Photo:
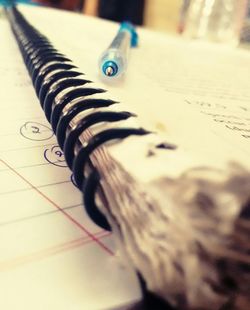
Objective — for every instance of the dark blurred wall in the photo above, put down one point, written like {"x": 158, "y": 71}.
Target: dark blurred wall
{"x": 122, "y": 10}
{"x": 73, "y": 5}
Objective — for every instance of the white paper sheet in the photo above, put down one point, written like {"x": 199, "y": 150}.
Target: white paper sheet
{"x": 185, "y": 92}
{"x": 174, "y": 86}
{"x": 51, "y": 254}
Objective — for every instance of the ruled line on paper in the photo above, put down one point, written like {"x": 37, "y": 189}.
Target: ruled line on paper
{"x": 51, "y": 252}
{"x": 32, "y": 165}
{"x": 28, "y": 188}
{"x": 27, "y": 166}
{"x": 11, "y": 134}
{"x": 26, "y": 148}
{"x": 23, "y": 108}
{"x": 26, "y": 218}
{"x": 26, "y": 134}
{"x": 45, "y": 253}
{"x": 67, "y": 215}
{"x": 15, "y": 121}
{"x": 43, "y": 175}
{"x": 8, "y": 149}
{"x": 24, "y": 118}
{"x": 40, "y": 156}
{"x": 11, "y": 182}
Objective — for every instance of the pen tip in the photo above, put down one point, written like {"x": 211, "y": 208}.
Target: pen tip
{"x": 109, "y": 71}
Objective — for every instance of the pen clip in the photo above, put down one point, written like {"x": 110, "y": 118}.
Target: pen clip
{"x": 127, "y": 26}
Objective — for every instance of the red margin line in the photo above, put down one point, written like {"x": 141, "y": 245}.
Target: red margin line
{"x": 91, "y": 236}
{"x": 44, "y": 253}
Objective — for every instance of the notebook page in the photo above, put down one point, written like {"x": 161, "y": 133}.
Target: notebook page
{"x": 194, "y": 95}
{"x": 51, "y": 255}
{"x": 197, "y": 144}
{"x": 155, "y": 203}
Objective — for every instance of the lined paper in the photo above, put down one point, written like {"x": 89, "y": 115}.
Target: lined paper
{"x": 173, "y": 94}
{"x": 52, "y": 256}
{"x": 175, "y": 87}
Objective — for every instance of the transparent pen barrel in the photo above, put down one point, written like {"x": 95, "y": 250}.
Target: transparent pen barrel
{"x": 118, "y": 51}
{"x": 121, "y": 42}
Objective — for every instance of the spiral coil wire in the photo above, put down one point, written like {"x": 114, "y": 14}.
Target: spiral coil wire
{"x": 58, "y": 84}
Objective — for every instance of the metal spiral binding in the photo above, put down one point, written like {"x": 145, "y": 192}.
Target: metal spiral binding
{"x": 90, "y": 188}
{"x": 80, "y": 106}
{"x": 58, "y": 83}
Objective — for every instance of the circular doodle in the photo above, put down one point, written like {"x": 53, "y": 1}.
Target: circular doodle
{"x": 36, "y": 131}
{"x": 54, "y": 156}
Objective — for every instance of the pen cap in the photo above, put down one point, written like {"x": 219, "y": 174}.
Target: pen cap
{"x": 127, "y": 26}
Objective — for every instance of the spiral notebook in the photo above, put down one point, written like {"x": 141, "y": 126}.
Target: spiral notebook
{"x": 136, "y": 149}
{"x": 44, "y": 228}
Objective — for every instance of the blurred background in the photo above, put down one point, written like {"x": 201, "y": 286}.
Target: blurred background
{"x": 158, "y": 14}
{"x": 225, "y": 21}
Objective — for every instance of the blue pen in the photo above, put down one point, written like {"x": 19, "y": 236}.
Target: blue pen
{"x": 113, "y": 61}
